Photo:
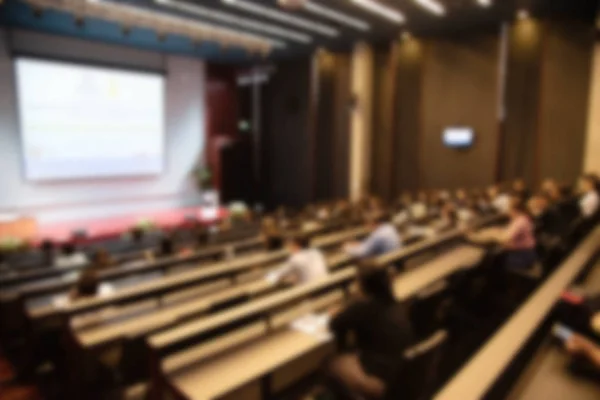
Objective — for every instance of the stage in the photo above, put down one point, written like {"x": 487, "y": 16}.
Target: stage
{"x": 97, "y": 229}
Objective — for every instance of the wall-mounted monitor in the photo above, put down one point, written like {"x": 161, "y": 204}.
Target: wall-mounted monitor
{"x": 458, "y": 137}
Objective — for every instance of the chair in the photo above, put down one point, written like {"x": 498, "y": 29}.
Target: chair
{"x": 429, "y": 308}
{"x": 419, "y": 376}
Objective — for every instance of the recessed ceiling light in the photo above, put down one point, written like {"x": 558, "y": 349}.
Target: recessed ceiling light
{"x": 332, "y": 14}
{"x": 523, "y": 14}
{"x": 381, "y": 10}
{"x": 432, "y": 6}
{"x": 235, "y": 20}
{"x": 280, "y": 16}
{"x": 484, "y": 3}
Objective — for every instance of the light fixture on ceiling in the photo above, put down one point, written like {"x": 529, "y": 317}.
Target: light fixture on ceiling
{"x": 432, "y": 6}
{"x": 484, "y": 3}
{"x": 381, "y": 10}
{"x": 235, "y": 20}
{"x": 131, "y": 16}
{"x": 268, "y": 12}
{"x": 523, "y": 14}
{"x": 334, "y": 15}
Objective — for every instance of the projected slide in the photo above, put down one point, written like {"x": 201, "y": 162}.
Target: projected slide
{"x": 82, "y": 121}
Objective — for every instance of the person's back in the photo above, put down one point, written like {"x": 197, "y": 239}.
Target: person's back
{"x": 305, "y": 264}
{"x": 309, "y": 264}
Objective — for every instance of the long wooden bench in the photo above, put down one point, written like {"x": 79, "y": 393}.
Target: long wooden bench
{"x": 485, "y": 370}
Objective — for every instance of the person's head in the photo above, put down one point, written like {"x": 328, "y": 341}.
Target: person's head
{"x": 588, "y": 183}
{"x": 47, "y": 246}
{"x": 549, "y": 185}
{"x": 493, "y": 191}
{"x": 67, "y": 249}
{"x": 166, "y": 245}
{"x": 448, "y": 212}
{"x": 518, "y": 185}
{"x": 375, "y": 283}
{"x": 422, "y": 196}
{"x": 101, "y": 259}
{"x": 297, "y": 243}
{"x": 137, "y": 234}
{"x": 516, "y": 207}
{"x": 537, "y": 204}
{"x": 461, "y": 194}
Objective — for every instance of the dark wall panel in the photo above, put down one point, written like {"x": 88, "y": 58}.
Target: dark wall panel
{"x": 564, "y": 103}
{"x": 407, "y": 115}
{"x": 382, "y": 130}
{"x": 331, "y": 133}
{"x": 286, "y": 143}
{"x": 460, "y": 88}
{"x": 522, "y": 88}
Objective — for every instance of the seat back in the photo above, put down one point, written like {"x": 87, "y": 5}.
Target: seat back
{"x": 428, "y": 308}
{"x": 419, "y": 376}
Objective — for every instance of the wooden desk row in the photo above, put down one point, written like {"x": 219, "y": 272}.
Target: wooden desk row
{"x": 181, "y": 281}
{"x": 226, "y": 365}
{"x": 485, "y": 368}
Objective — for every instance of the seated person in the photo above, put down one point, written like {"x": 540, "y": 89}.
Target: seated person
{"x": 305, "y": 264}
{"x": 272, "y": 234}
{"x": 500, "y": 201}
{"x": 88, "y": 282}
{"x": 448, "y": 218}
{"x": 519, "y": 189}
{"x": 547, "y": 220}
{"x": 589, "y": 201}
{"x": 418, "y": 209}
{"x": 69, "y": 257}
{"x": 383, "y": 239}
{"x": 460, "y": 198}
{"x": 47, "y": 250}
{"x": 517, "y": 239}
{"x": 166, "y": 248}
{"x": 382, "y": 333}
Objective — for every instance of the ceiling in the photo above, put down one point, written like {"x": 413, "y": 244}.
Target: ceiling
{"x": 459, "y": 15}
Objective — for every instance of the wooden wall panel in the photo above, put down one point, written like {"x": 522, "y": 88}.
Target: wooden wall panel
{"x": 459, "y": 88}
{"x": 382, "y": 144}
{"x": 565, "y": 83}
{"x": 408, "y": 115}
{"x": 522, "y": 86}
{"x": 286, "y": 143}
{"x": 330, "y": 138}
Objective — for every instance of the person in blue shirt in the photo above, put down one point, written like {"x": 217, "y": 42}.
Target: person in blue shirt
{"x": 383, "y": 239}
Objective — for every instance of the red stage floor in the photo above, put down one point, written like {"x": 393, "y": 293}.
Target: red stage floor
{"x": 110, "y": 227}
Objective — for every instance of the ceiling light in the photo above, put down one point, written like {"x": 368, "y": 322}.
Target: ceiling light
{"x": 330, "y": 13}
{"x": 523, "y": 14}
{"x": 432, "y": 6}
{"x": 280, "y": 16}
{"x": 235, "y": 20}
{"x": 484, "y": 3}
{"x": 163, "y": 24}
{"x": 381, "y": 9}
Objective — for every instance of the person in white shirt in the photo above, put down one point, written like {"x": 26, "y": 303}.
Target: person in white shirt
{"x": 500, "y": 201}
{"x": 305, "y": 264}
{"x": 70, "y": 257}
{"x": 589, "y": 202}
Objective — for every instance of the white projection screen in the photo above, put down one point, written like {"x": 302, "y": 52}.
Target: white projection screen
{"x": 81, "y": 121}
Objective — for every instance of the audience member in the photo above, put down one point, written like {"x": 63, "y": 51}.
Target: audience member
{"x": 88, "y": 283}
{"x": 47, "y": 250}
{"x": 500, "y": 201}
{"x": 70, "y": 257}
{"x": 305, "y": 264}
{"x": 383, "y": 238}
{"x": 547, "y": 220}
{"x": 581, "y": 346}
{"x": 590, "y": 200}
{"x": 272, "y": 234}
{"x": 519, "y": 189}
{"x": 519, "y": 238}
{"x": 382, "y": 332}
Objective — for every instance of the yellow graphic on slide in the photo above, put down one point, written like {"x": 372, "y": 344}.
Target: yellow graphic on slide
{"x": 113, "y": 88}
